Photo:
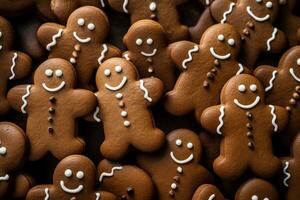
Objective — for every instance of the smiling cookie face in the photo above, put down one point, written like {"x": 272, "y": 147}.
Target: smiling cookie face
{"x": 75, "y": 174}
{"x": 115, "y": 74}
{"x": 243, "y": 91}
{"x": 223, "y": 42}
{"x": 88, "y": 24}
{"x": 55, "y": 75}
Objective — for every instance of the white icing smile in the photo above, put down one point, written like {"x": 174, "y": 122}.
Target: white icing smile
{"x": 247, "y": 106}
{"x": 149, "y": 54}
{"x": 259, "y": 19}
{"x": 56, "y": 89}
{"x": 81, "y": 40}
{"x": 118, "y": 87}
{"x": 218, "y": 56}
{"x": 71, "y": 191}
{"x": 295, "y": 77}
{"x": 189, "y": 159}
{"x": 4, "y": 178}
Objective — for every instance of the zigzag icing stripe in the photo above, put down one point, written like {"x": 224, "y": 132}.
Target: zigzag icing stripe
{"x": 12, "y": 68}
{"x": 270, "y": 86}
{"x": 105, "y": 174}
{"x": 102, "y": 3}
{"x": 286, "y": 173}
{"x": 104, "y": 51}
{"x": 190, "y": 57}
{"x": 231, "y": 6}
{"x": 46, "y": 194}
{"x": 125, "y": 6}
{"x": 222, "y": 109}
{"x": 98, "y": 196}
{"x": 241, "y": 69}
{"x": 146, "y": 93}
{"x": 54, "y": 39}
{"x": 271, "y": 39}
{"x": 212, "y": 197}
{"x": 274, "y": 117}
{"x": 24, "y": 99}
{"x": 95, "y": 115}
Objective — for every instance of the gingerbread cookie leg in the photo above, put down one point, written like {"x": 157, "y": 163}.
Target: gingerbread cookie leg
{"x": 73, "y": 146}
{"x": 266, "y": 166}
{"x": 22, "y": 185}
{"x": 114, "y": 153}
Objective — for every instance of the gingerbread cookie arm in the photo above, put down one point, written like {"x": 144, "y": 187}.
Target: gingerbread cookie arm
{"x": 279, "y": 118}
{"x": 212, "y": 119}
{"x": 63, "y": 9}
{"x": 20, "y": 65}
{"x": 18, "y": 97}
{"x": 276, "y": 42}
{"x": 85, "y": 102}
{"x": 267, "y": 75}
{"x": 120, "y": 5}
{"x": 152, "y": 89}
{"x": 23, "y": 183}
{"x": 220, "y": 9}
{"x": 49, "y": 34}
{"x": 182, "y": 53}
{"x": 41, "y": 192}
{"x": 108, "y": 51}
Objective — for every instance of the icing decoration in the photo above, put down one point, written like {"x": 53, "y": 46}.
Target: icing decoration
{"x": 242, "y": 88}
{"x": 253, "y": 88}
{"x": 118, "y": 69}
{"x": 85, "y": 40}
{"x": 286, "y": 173}
{"x": 179, "y": 170}
{"x": 80, "y": 175}
{"x": 102, "y": 56}
{"x": 125, "y": 3}
{"x": 178, "y": 142}
{"x": 269, "y": 4}
{"x": 46, "y": 194}
{"x": 126, "y": 56}
{"x": 149, "y": 41}
{"x": 105, "y": 174}
{"x": 13, "y": 66}
{"x": 4, "y": 178}
{"x": 189, "y": 159}
{"x": 248, "y": 106}
{"x": 241, "y": 69}
{"x": 49, "y": 72}
{"x": 190, "y": 57}
{"x": 146, "y": 93}
{"x": 98, "y": 196}
{"x": 24, "y": 99}
{"x": 149, "y": 54}
{"x": 229, "y": 11}
{"x": 68, "y": 173}
{"x": 59, "y": 73}
{"x": 3, "y": 151}
{"x": 271, "y": 39}
{"x": 217, "y": 56}
{"x": 207, "y": 2}
{"x": 118, "y": 87}
{"x": 54, "y": 39}
{"x": 258, "y": 19}
{"x": 80, "y": 22}
{"x": 56, "y": 89}
{"x": 95, "y": 115}
{"x": 102, "y": 3}
{"x": 190, "y": 145}
{"x": 231, "y": 42}
{"x": 71, "y": 191}
{"x": 139, "y": 42}
{"x": 152, "y": 6}
{"x": 126, "y": 123}
{"x": 222, "y": 109}
{"x": 295, "y": 77}
{"x": 91, "y": 26}
{"x": 270, "y": 86}
{"x": 274, "y": 117}
{"x": 212, "y": 197}
{"x": 221, "y": 37}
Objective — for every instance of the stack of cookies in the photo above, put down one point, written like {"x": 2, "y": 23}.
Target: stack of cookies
{"x": 149, "y": 99}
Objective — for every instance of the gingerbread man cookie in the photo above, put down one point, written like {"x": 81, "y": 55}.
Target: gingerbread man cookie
{"x": 127, "y": 181}
{"x": 290, "y": 170}
{"x": 52, "y": 105}
{"x": 124, "y": 100}
{"x": 254, "y": 20}
{"x": 206, "y": 68}
{"x": 162, "y": 11}
{"x": 13, "y": 150}
{"x": 74, "y": 178}
{"x": 13, "y": 64}
{"x": 80, "y": 42}
{"x": 282, "y": 85}
{"x": 148, "y": 49}
{"x": 175, "y": 170}
{"x": 208, "y": 192}
{"x": 246, "y": 125}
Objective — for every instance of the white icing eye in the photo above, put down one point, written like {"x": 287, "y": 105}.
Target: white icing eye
{"x": 266, "y": 198}
{"x": 3, "y": 151}
{"x": 242, "y": 88}
{"x": 91, "y": 26}
{"x": 118, "y": 69}
{"x": 80, "y": 174}
{"x": 49, "y": 72}
{"x": 59, "y": 73}
{"x": 68, "y": 173}
{"x": 221, "y": 37}
{"x": 231, "y": 42}
{"x": 258, "y": 1}
{"x": 80, "y": 22}
{"x": 152, "y": 6}
{"x": 178, "y": 142}
{"x": 139, "y": 42}
{"x": 107, "y": 72}
{"x": 189, "y": 145}
{"x": 149, "y": 41}
{"x": 269, "y": 4}
{"x": 254, "y": 197}
{"x": 253, "y": 88}
{"x": 298, "y": 61}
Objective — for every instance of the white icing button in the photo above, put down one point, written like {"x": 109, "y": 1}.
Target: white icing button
{"x": 254, "y": 197}
{"x": 242, "y": 88}
{"x": 190, "y": 145}
{"x": 126, "y": 123}
{"x": 2, "y": 151}
{"x": 266, "y": 198}
{"x": 72, "y": 60}
{"x": 49, "y": 72}
{"x": 107, "y": 72}
{"x": 298, "y": 61}
{"x": 179, "y": 170}
{"x": 118, "y": 69}
{"x": 80, "y": 174}
{"x": 91, "y": 26}
{"x": 139, "y": 42}
{"x": 173, "y": 186}
{"x": 258, "y": 1}
{"x": 80, "y": 22}
{"x": 68, "y": 173}
{"x": 149, "y": 41}
{"x": 253, "y": 87}
{"x": 119, "y": 95}
{"x": 178, "y": 142}
{"x": 152, "y": 6}
{"x": 231, "y": 42}
{"x": 0, "y": 34}
{"x": 150, "y": 69}
{"x": 221, "y": 37}
{"x": 269, "y": 4}
{"x": 124, "y": 114}
{"x": 58, "y": 73}
{"x": 1, "y": 47}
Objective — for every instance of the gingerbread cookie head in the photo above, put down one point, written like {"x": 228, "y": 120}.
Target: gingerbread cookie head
{"x": 55, "y": 75}
{"x": 88, "y": 24}
{"x": 222, "y": 41}
{"x": 145, "y": 37}
{"x": 115, "y": 74}
{"x": 243, "y": 91}
{"x": 257, "y": 189}
{"x": 6, "y": 35}
{"x": 75, "y": 174}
